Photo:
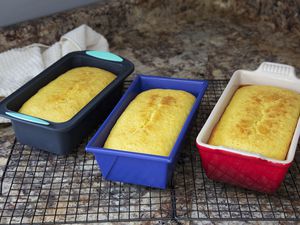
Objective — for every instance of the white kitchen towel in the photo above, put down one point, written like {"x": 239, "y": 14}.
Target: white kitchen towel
{"x": 18, "y": 66}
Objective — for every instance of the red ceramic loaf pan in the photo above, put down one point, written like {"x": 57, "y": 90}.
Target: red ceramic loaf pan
{"x": 248, "y": 170}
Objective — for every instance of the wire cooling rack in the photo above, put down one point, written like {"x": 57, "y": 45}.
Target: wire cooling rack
{"x": 42, "y": 188}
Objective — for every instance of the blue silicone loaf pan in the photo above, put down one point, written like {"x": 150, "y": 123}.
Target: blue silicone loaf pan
{"x": 62, "y": 138}
{"x": 137, "y": 168}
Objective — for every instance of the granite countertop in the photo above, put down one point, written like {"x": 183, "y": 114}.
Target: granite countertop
{"x": 188, "y": 39}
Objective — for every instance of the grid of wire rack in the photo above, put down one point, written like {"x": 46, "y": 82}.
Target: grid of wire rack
{"x": 42, "y": 188}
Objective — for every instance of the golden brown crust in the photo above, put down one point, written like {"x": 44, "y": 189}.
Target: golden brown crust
{"x": 65, "y": 96}
{"x": 152, "y": 122}
{"x": 259, "y": 119}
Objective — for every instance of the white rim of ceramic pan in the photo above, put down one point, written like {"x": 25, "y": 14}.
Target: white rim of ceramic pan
{"x": 268, "y": 73}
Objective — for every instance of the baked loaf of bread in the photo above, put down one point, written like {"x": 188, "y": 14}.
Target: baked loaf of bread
{"x": 259, "y": 119}
{"x": 152, "y": 122}
{"x": 65, "y": 96}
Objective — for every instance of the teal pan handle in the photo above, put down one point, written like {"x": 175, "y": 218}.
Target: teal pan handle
{"x": 105, "y": 55}
{"x": 27, "y": 118}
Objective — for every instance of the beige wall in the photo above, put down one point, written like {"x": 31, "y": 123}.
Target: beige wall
{"x": 14, "y": 11}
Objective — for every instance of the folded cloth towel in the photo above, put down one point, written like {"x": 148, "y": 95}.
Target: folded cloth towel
{"x": 18, "y": 66}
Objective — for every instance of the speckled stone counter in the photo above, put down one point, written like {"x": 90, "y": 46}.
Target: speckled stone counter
{"x": 188, "y": 39}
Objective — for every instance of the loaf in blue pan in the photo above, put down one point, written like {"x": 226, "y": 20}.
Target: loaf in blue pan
{"x": 140, "y": 168}
{"x": 61, "y": 137}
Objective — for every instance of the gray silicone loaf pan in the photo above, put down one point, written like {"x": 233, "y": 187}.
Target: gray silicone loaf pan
{"x": 62, "y": 138}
